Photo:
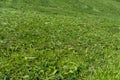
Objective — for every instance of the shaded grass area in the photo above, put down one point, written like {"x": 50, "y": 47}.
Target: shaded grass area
{"x": 39, "y": 46}
{"x": 66, "y": 7}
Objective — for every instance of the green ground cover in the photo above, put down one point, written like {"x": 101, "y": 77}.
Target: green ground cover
{"x": 59, "y": 40}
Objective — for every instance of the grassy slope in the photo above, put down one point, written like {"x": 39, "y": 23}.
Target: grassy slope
{"x": 59, "y": 39}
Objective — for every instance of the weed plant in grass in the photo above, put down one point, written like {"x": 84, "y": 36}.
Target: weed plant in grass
{"x": 59, "y": 40}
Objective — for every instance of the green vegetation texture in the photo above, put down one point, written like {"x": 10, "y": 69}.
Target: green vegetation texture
{"x": 59, "y": 40}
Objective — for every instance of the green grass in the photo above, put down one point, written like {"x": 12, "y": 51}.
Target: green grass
{"x": 59, "y": 40}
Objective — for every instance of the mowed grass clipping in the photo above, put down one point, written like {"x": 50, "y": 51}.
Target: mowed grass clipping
{"x": 53, "y": 45}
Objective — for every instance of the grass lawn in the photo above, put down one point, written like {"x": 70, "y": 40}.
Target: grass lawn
{"x": 59, "y": 40}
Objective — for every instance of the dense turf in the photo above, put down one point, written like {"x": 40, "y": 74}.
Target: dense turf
{"x": 59, "y": 40}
